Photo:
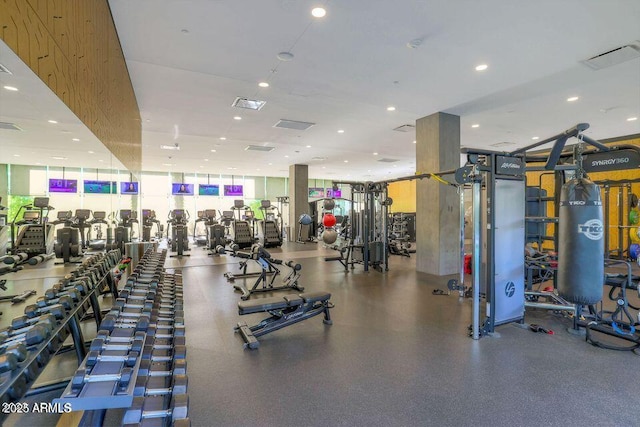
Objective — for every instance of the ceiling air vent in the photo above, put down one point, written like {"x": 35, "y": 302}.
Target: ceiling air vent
{"x": 502, "y": 144}
{"x": 9, "y": 126}
{"x": 293, "y": 124}
{"x": 614, "y": 57}
{"x": 259, "y": 148}
{"x": 319, "y": 159}
{"x": 405, "y": 128}
{"x": 386, "y": 160}
{"x": 4, "y": 69}
{"x": 250, "y": 104}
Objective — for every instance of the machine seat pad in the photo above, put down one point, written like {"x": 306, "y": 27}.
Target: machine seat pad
{"x": 311, "y": 297}
{"x": 266, "y": 304}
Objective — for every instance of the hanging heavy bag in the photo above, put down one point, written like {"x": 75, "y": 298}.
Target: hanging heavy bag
{"x": 581, "y": 243}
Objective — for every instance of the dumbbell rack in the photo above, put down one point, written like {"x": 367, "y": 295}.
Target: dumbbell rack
{"x": 49, "y": 322}
{"x": 138, "y": 359}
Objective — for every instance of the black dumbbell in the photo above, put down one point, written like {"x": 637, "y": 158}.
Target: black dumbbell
{"x": 179, "y": 384}
{"x": 178, "y": 352}
{"x": 19, "y": 350}
{"x": 59, "y": 290}
{"x": 133, "y": 344}
{"x": 179, "y": 367}
{"x": 58, "y": 310}
{"x": 8, "y": 362}
{"x": 73, "y": 294}
{"x": 81, "y": 377}
{"x": 178, "y": 410}
{"x": 109, "y": 323}
{"x": 30, "y": 336}
{"x": 129, "y": 359}
{"x": 24, "y": 321}
{"x": 123, "y": 303}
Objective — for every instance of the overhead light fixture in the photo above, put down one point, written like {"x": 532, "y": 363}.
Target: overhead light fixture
{"x": 286, "y": 156}
{"x": 59, "y": 158}
{"x": 391, "y": 108}
{"x": 414, "y": 142}
{"x": 213, "y": 151}
{"x": 237, "y": 118}
{"x": 632, "y": 119}
{"x": 90, "y": 152}
{"x": 53, "y": 122}
{"x": 346, "y": 161}
{"x": 285, "y": 56}
{"x": 11, "y": 88}
{"x": 475, "y": 125}
{"x": 308, "y": 146}
{"x": 167, "y": 164}
{"x": 481, "y": 67}
{"x": 341, "y": 131}
{"x": 318, "y": 12}
{"x": 174, "y": 147}
{"x": 535, "y": 138}
{"x": 16, "y": 155}
{"x": 222, "y": 138}
{"x": 75, "y": 139}
{"x": 270, "y": 164}
{"x": 324, "y": 167}
{"x": 375, "y": 154}
{"x": 101, "y": 161}
{"x": 573, "y": 98}
{"x": 206, "y": 160}
{"x": 249, "y": 104}
{"x": 263, "y": 84}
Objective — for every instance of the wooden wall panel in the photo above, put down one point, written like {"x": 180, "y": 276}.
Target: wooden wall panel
{"x": 72, "y": 45}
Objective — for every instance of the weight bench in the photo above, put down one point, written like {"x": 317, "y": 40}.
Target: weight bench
{"x": 285, "y": 310}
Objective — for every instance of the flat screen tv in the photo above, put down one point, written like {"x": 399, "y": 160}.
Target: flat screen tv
{"x": 181, "y": 189}
{"x": 316, "y": 192}
{"x": 99, "y": 187}
{"x": 233, "y": 190}
{"x": 128, "y": 188}
{"x": 208, "y": 190}
{"x": 333, "y": 193}
{"x": 63, "y": 185}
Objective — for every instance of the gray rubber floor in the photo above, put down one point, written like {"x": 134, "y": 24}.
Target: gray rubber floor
{"x": 396, "y": 355}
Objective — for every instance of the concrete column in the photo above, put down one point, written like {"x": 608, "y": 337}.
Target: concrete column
{"x": 298, "y": 196}
{"x": 437, "y": 205}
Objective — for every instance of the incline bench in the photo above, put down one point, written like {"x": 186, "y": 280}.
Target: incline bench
{"x": 285, "y": 310}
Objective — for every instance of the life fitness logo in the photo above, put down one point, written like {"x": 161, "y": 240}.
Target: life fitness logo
{"x": 592, "y": 229}
{"x": 510, "y": 289}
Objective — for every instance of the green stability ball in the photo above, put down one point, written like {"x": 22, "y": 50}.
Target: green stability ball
{"x": 633, "y": 217}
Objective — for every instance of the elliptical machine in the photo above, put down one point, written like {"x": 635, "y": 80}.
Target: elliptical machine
{"x": 177, "y": 227}
{"x": 269, "y": 232}
{"x": 99, "y": 241}
{"x": 70, "y": 239}
{"x": 122, "y": 233}
{"x": 208, "y": 218}
{"x": 148, "y": 219}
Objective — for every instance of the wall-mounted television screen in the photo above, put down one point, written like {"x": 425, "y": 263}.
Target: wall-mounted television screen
{"x": 63, "y": 185}
{"x": 233, "y": 190}
{"x": 99, "y": 187}
{"x": 208, "y": 190}
{"x": 181, "y": 189}
{"x": 316, "y": 192}
{"x": 333, "y": 193}
{"x": 128, "y": 188}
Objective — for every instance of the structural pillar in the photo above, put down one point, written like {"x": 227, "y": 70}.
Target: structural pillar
{"x": 437, "y": 205}
{"x": 298, "y": 197}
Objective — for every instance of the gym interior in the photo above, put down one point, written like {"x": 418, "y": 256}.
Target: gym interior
{"x": 283, "y": 213}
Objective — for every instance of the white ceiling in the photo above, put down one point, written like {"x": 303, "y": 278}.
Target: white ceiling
{"x": 353, "y": 63}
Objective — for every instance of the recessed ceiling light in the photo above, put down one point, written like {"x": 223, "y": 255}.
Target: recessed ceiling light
{"x": 263, "y": 84}
{"x": 391, "y": 108}
{"x": 414, "y": 142}
{"x": 38, "y": 163}
{"x": 318, "y": 12}
{"x": 167, "y": 164}
{"x": 341, "y": 131}
{"x": 572, "y": 98}
{"x": 213, "y": 151}
{"x": 395, "y": 166}
{"x": 308, "y": 146}
{"x": 286, "y": 155}
{"x": 75, "y": 139}
{"x": 475, "y": 125}
{"x": 535, "y": 137}
{"x": 346, "y": 161}
{"x": 237, "y": 118}
{"x": 11, "y": 88}
{"x": 375, "y": 153}
{"x": 52, "y": 122}
{"x": 90, "y": 152}
{"x": 285, "y": 56}
{"x": 206, "y": 160}
{"x": 59, "y": 158}
{"x": 632, "y": 119}
{"x": 222, "y": 138}
{"x": 481, "y": 67}
{"x": 324, "y": 167}
{"x": 368, "y": 170}
{"x": 101, "y": 161}
{"x": 16, "y": 155}
{"x": 201, "y": 166}
{"x": 270, "y": 164}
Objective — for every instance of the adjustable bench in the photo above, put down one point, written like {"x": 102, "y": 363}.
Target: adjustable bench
{"x": 285, "y": 310}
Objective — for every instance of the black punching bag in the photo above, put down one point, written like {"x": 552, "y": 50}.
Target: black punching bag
{"x": 581, "y": 243}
